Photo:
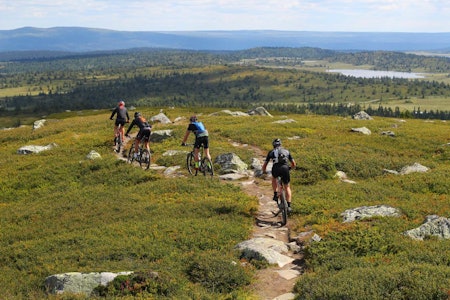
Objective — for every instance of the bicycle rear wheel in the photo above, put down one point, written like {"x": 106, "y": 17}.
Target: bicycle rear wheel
{"x": 283, "y": 207}
{"x": 190, "y": 163}
{"x": 144, "y": 160}
{"x": 207, "y": 167}
{"x": 130, "y": 157}
{"x": 118, "y": 143}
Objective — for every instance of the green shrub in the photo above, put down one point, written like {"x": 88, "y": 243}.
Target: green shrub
{"x": 394, "y": 282}
{"x": 218, "y": 274}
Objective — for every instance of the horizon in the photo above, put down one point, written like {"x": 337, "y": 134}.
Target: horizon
{"x": 364, "y": 16}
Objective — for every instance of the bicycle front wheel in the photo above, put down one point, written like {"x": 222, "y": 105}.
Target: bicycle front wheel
{"x": 118, "y": 143}
{"x": 145, "y": 159}
{"x": 190, "y": 163}
{"x": 207, "y": 167}
{"x": 130, "y": 157}
{"x": 283, "y": 208}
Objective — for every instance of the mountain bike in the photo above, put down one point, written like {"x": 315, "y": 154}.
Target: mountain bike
{"x": 143, "y": 155}
{"x": 281, "y": 202}
{"x": 205, "y": 164}
{"x": 118, "y": 139}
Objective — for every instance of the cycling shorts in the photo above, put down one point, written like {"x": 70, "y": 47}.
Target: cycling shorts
{"x": 281, "y": 170}
{"x": 120, "y": 122}
{"x": 201, "y": 140}
{"x": 143, "y": 133}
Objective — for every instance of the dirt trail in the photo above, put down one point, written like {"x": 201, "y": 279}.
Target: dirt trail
{"x": 273, "y": 282}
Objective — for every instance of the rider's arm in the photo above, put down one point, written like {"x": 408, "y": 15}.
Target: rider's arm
{"x": 113, "y": 113}
{"x": 131, "y": 126}
{"x": 185, "y": 137}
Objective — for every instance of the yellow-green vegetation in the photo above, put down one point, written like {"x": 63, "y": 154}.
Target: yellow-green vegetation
{"x": 60, "y": 212}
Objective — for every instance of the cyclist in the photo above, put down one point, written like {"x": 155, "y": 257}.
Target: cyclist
{"x": 144, "y": 132}
{"x": 121, "y": 119}
{"x": 201, "y": 138}
{"x": 280, "y": 158}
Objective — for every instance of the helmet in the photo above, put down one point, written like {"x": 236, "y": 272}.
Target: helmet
{"x": 193, "y": 119}
{"x": 276, "y": 143}
{"x": 121, "y": 103}
{"x": 137, "y": 114}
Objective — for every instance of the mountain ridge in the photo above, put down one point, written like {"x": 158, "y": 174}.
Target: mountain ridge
{"x": 83, "y": 39}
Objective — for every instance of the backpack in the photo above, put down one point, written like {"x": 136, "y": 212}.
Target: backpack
{"x": 281, "y": 156}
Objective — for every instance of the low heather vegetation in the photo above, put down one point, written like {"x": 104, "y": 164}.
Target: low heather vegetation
{"x": 61, "y": 212}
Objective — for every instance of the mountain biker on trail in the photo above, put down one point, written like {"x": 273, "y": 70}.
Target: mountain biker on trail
{"x": 201, "y": 138}
{"x": 121, "y": 119}
{"x": 280, "y": 158}
{"x": 144, "y": 131}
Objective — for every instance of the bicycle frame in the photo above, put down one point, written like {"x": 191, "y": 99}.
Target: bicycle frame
{"x": 282, "y": 202}
{"x": 204, "y": 164}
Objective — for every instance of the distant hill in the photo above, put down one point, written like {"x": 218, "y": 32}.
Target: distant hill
{"x": 80, "y": 39}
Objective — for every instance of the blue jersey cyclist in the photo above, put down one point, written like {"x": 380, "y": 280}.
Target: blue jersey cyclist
{"x": 144, "y": 132}
{"x": 201, "y": 138}
{"x": 281, "y": 158}
{"x": 121, "y": 118}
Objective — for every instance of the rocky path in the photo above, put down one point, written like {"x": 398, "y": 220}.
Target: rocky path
{"x": 276, "y": 281}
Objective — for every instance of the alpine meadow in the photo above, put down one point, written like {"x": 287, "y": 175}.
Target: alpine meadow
{"x": 61, "y": 211}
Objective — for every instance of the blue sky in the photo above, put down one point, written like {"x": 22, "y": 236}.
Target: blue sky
{"x": 176, "y": 15}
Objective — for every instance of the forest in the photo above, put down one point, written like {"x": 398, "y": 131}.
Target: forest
{"x": 45, "y": 82}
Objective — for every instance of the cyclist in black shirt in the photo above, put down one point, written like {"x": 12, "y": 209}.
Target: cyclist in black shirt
{"x": 121, "y": 119}
{"x": 144, "y": 131}
{"x": 281, "y": 158}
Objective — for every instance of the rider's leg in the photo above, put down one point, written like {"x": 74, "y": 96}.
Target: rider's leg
{"x": 196, "y": 157}
{"x": 122, "y": 131}
{"x": 275, "y": 187}
{"x": 136, "y": 147}
{"x": 207, "y": 153}
{"x": 287, "y": 187}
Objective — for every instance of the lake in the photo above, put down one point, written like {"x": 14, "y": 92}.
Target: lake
{"x": 376, "y": 74}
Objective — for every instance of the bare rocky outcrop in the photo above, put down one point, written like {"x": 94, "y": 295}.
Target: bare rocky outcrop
{"x": 30, "y": 149}
{"x": 93, "y": 155}
{"x": 362, "y": 130}
{"x": 38, "y": 124}
{"x": 260, "y": 111}
{"x": 230, "y": 163}
{"x": 160, "y": 135}
{"x": 79, "y": 283}
{"x": 364, "y": 212}
{"x": 416, "y": 167}
{"x": 362, "y": 115}
{"x": 160, "y": 118}
{"x": 271, "y": 250}
{"x": 434, "y": 226}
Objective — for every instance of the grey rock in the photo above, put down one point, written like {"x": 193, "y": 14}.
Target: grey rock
{"x": 161, "y": 118}
{"x": 230, "y": 163}
{"x": 416, "y": 167}
{"x": 30, "y": 149}
{"x": 160, "y": 135}
{"x": 362, "y": 115}
{"x": 79, "y": 283}
{"x": 363, "y": 212}
{"x": 93, "y": 155}
{"x": 433, "y": 226}
{"x": 362, "y": 130}
{"x": 260, "y": 111}
{"x": 267, "y": 249}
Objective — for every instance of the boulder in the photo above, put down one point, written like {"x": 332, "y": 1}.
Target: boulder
{"x": 285, "y": 121}
{"x": 260, "y": 111}
{"x": 79, "y": 283}
{"x": 433, "y": 226}
{"x": 362, "y": 130}
{"x": 35, "y": 149}
{"x": 416, "y": 167}
{"x": 38, "y": 124}
{"x": 93, "y": 155}
{"x": 230, "y": 163}
{"x": 363, "y": 212}
{"x": 267, "y": 249}
{"x": 161, "y": 118}
{"x": 362, "y": 115}
{"x": 160, "y": 135}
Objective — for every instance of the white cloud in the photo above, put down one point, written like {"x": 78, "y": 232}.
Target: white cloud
{"x": 166, "y": 15}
